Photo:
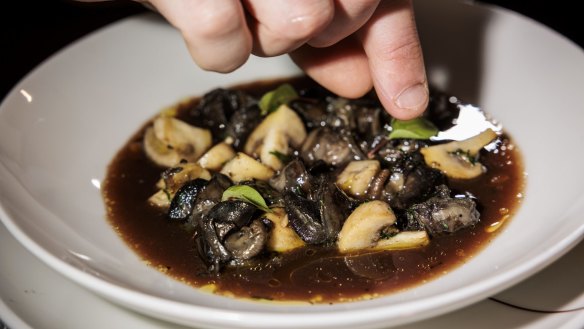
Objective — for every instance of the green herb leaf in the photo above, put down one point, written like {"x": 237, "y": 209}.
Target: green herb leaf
{"x": 284, "y": 158}
{"x": 418, "y": 128}
{"x": 465, "y": 156}
{"x": 271, "y": 100}
{"x": 246, "y": 193}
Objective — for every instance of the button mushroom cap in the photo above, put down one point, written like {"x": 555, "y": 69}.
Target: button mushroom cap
{"x": 364, "y": 227}
{"x": 454, "y": 158}
{"x": 274, "y": 134}
{"x": 170, "y": 140}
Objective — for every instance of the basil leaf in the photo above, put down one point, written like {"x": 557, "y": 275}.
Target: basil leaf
{"x": 271, "y": 100}
{"x": 418, "y": 128}
{"x": 246, "y": 193}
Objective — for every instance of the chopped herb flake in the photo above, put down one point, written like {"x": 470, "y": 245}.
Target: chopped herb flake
{"x": 466, "y": 156}
{"x": 284, "y": 158}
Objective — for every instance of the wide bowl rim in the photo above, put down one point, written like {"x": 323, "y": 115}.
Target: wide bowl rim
{"x": 452, "y": 300}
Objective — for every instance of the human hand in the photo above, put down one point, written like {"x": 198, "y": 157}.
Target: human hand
{"x": 348, "y": 46}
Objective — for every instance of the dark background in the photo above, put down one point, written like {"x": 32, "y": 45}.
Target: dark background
{"x": 32, "y": 30}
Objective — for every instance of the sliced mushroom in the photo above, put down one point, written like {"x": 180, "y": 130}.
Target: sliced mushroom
{"x": 357, "y": 176}
{"x": 170, "y": 140}
{"x": 364, "y": 226}
{"x": 457, "y": 159}
{"x": 282, "y": 237}
{"x": 279, "y": 129}
{"x": 217, "y": 156}
{"x": 371, "y": 227}
{"x": 243, "y": 167}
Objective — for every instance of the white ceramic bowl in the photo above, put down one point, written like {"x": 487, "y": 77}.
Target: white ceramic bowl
{"x": 62, "y": 124}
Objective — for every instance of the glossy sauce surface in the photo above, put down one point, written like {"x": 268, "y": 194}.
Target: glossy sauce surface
{"x": 312, "y": 273}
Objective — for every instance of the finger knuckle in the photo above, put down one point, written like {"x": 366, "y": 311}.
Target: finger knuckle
{"x": 214, "y": 23}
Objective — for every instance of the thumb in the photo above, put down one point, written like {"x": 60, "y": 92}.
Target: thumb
{"x": 392, "y": 46}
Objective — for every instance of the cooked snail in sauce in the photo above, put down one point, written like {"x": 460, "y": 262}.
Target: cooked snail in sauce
{"x": 284, "y": 191}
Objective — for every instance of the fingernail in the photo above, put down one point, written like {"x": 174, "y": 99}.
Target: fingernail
{"x": 413, "y": 97}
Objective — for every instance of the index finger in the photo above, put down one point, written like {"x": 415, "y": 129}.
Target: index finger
{"x": 391, "y": 43}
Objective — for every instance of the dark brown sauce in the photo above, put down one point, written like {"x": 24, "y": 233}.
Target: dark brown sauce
{"x": 310, "y": 273}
